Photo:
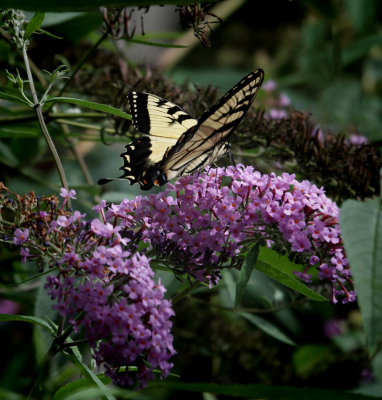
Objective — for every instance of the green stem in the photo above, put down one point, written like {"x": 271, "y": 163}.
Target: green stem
{"x": 60, "y": 339}
{"x": 60, "y": 328}
{"x": 44, "y": 129}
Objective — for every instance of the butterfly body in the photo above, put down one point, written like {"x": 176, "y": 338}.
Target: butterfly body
{"x": 178, "y": 144}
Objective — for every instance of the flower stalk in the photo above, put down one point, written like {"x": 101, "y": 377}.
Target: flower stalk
{"x": 38, "y": 109}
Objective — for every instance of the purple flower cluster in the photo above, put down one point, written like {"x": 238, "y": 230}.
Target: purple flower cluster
{"x": 201, "y": 223}
{"x": 106, "y": 289}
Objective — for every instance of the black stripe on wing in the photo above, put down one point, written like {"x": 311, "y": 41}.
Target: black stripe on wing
{"x": 155, "y": 116}
{"x": 139, "y": 111}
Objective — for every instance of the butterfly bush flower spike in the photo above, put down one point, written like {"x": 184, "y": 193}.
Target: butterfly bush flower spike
{"x": 199, "y": 225}
{"x": 123, "y": 310}
{"x": 103, "y": 287}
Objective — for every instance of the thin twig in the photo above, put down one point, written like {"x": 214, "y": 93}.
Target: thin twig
{"x": 44, "y": 129}
{"x": 74, "y": 343}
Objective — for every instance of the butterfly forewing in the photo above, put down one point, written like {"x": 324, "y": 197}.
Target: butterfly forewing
{"x": 223, "y": 117}
{"x": 204, "y": 145}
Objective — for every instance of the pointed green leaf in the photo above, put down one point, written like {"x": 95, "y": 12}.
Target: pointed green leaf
{"x": 361, "y": 230}
{"x": 267, "y": 327}
{"x": 80, "y": 386}
{"x": 27, "y": 318}
{"x": 34, "y": 24}
{"x": 277, "y": 267}
{"x": 89, "y": 104}
{"x": 13, "y": 98}
{"x": 90, "y": 375}
{"x": 245, "y": 272}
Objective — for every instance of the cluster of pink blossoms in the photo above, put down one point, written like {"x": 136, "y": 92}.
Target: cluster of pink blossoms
{"x": 202, "y": 222}
{"x": 105, "y": 289}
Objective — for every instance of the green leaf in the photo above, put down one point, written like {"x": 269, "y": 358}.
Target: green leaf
{"x": 89, "y": 104}
{"x": 277, "y": 267}
{"x": 270, "y": 256}
{"x": 361, "y": 230}
{"x": 267, "y": 327}
{"x": 19, "y": 131}
{"x": 260, "y": 391}
{"x": 90, "y": 375}
{"x": 27, "y": 318}
{"x": 245, "y": 272}
{"x": 13, "y": 98}
{"x": 80, "y": 386}
{"x": 82, "y": 5}
{"x": 34, "y": 24}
